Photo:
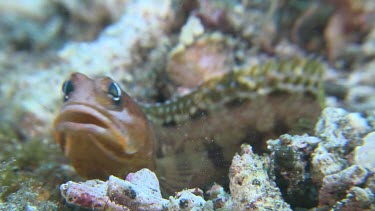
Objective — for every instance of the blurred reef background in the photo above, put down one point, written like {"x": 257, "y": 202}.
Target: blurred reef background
{"x": 161, "y": 49}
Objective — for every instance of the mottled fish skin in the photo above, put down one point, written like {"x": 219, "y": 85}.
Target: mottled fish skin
{"x": 190, "y": 140}
{"x": 294, "y": 76}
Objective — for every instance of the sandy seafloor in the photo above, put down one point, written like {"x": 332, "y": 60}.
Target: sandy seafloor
{"x": 148, "y": 47}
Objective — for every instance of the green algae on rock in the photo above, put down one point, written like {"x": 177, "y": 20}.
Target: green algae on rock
{"x": 25, "y": 175}
{"x": 291, "y": 157}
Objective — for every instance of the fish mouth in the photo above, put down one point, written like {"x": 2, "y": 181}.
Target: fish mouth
{"x": 93, "y": 123}
{"x": 84, "y": 118}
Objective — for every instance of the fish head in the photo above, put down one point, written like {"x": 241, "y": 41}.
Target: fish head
{"x": 101, "y": 129}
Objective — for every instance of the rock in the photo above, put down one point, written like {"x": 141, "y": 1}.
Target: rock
{"x": 336, "y": 185}
{"x": 291, "y": 156}
{"x": 340, "y": 133}
{"x": 364, "y": 155}
{"x": 357, "y": 199}
{"x": 250, "y": 185}
{"x": 140, "y": 191}
{"x": 191, "y": 199}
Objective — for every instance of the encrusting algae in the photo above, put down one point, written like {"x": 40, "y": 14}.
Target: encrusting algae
{"x": 190, "y": 140}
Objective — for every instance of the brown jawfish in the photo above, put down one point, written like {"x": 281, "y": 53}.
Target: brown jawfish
{"x": 188, "y": 140}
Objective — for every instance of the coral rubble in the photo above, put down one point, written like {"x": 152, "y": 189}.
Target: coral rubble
{"x": 250, "y": 185}
{"x": 251, "y": 189}
{"x": 140, "y": 191}
{"x": 331, "y": 169}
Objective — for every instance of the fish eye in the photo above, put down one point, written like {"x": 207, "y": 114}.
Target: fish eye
{"x": 115, "y": 91}
{"x": 67, "y": 88}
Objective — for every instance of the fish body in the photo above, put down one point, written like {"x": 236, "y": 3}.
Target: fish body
{"x": 189, "y": 140}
